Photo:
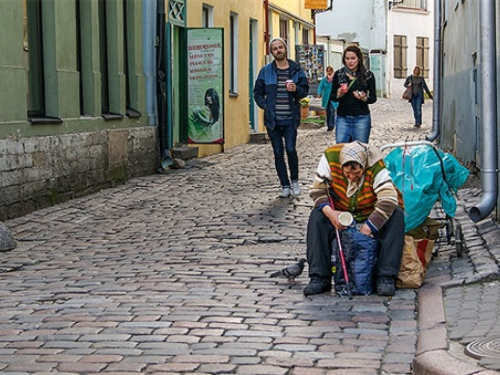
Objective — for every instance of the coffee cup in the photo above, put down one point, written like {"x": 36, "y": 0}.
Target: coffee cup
{"x": 345, "y": 218}
{"x": 343, "y": 87}
{"x": 288, "y": 82}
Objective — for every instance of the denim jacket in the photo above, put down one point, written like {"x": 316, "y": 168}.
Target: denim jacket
{"x": 266, "y": 87}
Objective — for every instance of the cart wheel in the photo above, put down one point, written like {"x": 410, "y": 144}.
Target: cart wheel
{"x": 449, "y": 230}
{"x": 459, "y": 241}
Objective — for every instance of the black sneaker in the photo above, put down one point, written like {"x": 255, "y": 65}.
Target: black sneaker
{"x": 385, "y": 286}
{"x": 317, "y": 286}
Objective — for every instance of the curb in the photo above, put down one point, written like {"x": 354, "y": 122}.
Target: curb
{"x": 432, "y": 355}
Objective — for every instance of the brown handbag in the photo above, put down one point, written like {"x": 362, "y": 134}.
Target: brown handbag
{"x": 408, "y": 93}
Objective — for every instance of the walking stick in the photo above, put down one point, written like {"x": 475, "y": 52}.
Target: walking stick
{"x": 341, "y": 253}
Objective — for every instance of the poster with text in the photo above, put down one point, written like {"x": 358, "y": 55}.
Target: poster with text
{"x": 205, "y": 76}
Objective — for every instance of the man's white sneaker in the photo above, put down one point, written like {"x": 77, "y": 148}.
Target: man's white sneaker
{"x": 285, "y": 193}
{"x": 295, "y": 188}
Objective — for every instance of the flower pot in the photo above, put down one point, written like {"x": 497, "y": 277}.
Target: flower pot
{"x": 304, "y": 112}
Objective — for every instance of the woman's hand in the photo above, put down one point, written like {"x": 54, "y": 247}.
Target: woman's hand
{"x": 360, "y": 95}
{"x": 333, "y": 216}
{"x": 365, "y": 229}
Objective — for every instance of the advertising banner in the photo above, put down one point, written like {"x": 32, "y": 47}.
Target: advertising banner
{"x": 205, "y": 76}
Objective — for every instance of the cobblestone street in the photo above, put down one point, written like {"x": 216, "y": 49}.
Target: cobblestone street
{"x": 169, "y": 274}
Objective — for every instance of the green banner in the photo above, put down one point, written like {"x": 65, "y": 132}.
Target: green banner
{"x": 205, "y": 76}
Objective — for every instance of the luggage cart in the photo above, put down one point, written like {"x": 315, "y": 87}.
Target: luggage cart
{"x": 452, "y": 228}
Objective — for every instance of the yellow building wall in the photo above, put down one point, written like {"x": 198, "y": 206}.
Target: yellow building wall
{"x": 236, "y": 107}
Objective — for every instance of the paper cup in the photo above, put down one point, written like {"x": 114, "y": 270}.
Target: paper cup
{"x": 346, "y": 219}
{"x": 343, "y": 87}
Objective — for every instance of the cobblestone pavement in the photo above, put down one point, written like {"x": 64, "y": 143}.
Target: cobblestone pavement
{"x": 169, "y": 274}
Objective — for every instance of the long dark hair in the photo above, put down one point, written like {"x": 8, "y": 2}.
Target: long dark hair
{"x": 214, "y": 105}
{"x": 360, "y": 73}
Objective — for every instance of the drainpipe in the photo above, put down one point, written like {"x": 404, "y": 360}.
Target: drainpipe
{"x": 149, "y": 29}
{"x": 266, "y": 32}
{"x": 162, "y": 85}
{"x": 489, "y": 152}
{"x": 436, "y": 103}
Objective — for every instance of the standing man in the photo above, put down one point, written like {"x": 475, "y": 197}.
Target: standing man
{"x": 278, "y": 88}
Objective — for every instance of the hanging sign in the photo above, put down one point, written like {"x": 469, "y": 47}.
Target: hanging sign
{"x": 316, "y": 4}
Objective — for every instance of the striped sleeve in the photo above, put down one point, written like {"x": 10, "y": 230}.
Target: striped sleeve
{"x": 318, "y": 191}
{"x": 387, "y": 200}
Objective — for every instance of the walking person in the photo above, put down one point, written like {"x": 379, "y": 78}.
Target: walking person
{"x": 418, "y": 85}
{"x": 324, "y": 89}
{"x": 278, "y": 89}
{"x": 353, "y": 88}
{"x": 355, "y": 176}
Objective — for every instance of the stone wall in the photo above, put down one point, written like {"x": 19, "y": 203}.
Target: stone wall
{"x": 36, "y": 172}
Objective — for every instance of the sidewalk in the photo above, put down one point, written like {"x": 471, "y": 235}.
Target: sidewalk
{"x": 169, "y": 274}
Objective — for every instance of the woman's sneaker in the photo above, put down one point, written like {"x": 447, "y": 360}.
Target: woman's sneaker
{"x": 295, "y": 188}
{"x": 285, "y": 192}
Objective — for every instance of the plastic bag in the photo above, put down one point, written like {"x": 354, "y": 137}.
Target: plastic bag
{"x": 424, "y": 174}
{"x": 360, "y": 253}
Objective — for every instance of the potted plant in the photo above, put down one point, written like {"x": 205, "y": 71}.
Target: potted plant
{"x": 304, "y": 108}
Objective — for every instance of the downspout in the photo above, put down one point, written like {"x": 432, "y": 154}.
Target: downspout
{"x": 161, "y": 85}
{"x": 489, "y": 152}
{"x": 266, "y": 32}
{"x": 438, "y": 64}
{"x": 149, "y": 30}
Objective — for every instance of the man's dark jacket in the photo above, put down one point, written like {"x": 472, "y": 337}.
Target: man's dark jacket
{"x": 266, "y": 87}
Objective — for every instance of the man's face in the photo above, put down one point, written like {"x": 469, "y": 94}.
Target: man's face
{"x": 353, "y": 174}
{"x": 278, "y": 50}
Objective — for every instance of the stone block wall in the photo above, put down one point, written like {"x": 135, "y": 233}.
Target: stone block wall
{"x": 40, "y": 171}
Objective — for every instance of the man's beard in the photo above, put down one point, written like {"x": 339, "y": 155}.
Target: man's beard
{"x": 280, "y": 56}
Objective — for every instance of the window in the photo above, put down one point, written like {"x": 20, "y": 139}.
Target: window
{"x": 423, "y": 55}
{"x": 34, "y": 45}
{"x": 284, "y": 30}
{"x": 305, "y": 36}
{"x": 420, "y": 4}
{"x": 233, "y": 53}
{"x": 207, "y": 17}
{"x": 400, "y": 68}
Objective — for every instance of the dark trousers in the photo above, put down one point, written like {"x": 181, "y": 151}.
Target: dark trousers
{"x": 320, "y": 233}
{"x": 330, "y": 116}
{"x": 288, "y": 135}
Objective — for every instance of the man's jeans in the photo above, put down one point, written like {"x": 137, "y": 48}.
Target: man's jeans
{"x": 353, "y": 128}
{"x": 416, "y": 103}
{"x": 289, "y": 135}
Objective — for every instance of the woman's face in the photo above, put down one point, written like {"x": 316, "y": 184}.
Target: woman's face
{"x": 351, "y": 60}
{"x": 416, "y": 71}
{"x": 353, "y": 174}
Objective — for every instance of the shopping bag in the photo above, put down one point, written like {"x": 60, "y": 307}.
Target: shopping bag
{"x": 417, "y": 254}
{"x": 360, "y": 253}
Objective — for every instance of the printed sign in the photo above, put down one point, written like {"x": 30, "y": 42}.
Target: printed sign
{"x": 205, "y": 76}
{"x": 316, "y": 4}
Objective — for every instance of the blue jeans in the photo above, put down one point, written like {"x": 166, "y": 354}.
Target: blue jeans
{"x": 416, "y": 103}
{"x": 353, "y": 128}
{"x": 289, "y": 135}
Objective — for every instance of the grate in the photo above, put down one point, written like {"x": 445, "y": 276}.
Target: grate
{"x": 485, "y": 348}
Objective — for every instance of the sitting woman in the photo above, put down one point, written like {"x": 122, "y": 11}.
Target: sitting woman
{"x": 359, "y": 182}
